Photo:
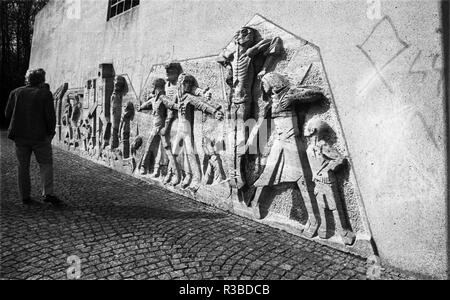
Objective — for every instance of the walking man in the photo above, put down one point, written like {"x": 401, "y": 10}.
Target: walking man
{"x": 32, "y": 128}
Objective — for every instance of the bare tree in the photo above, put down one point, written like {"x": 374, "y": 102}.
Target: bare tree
{"x": 16, "y": 22}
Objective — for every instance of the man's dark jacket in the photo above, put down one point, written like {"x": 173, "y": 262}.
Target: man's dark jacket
{"x": 32, "y": 114}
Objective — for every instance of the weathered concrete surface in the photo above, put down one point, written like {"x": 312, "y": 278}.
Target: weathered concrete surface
{"x": 122, "y": 228}
{"x": 393, "y": 120}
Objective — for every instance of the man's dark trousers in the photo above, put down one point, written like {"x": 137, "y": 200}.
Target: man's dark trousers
{"x": 43, "y": 152}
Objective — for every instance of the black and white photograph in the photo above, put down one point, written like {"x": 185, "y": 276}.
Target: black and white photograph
{"x": 224, "y": 145}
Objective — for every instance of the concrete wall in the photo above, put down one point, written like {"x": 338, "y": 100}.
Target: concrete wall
{"x": 385, "y": 70}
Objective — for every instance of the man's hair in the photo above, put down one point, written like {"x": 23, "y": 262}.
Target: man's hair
{"x": 276, "y": 81}
{"x": 120, "y": 81}
{"x": 316, "y": 126}
{"x": 158, "y": 83}
{"x": 129, "y": 107}
{"x": 256, "y": 35}
{"x": 187, "y": 78}
{"x": 174, "y": 66}
{"x": 252, "y": 30}
{"x": 35, "y": 77}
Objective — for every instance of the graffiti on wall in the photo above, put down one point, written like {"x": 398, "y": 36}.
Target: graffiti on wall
{"x": 428, "y": 67}
{"x": 384, "y": 32}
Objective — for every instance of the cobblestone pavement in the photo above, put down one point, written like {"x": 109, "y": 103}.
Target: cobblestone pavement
{"x": 121, "y": 227}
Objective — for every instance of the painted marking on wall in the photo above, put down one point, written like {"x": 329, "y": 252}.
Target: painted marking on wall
{"x": 426, "y": 71}
{"x": 441, "y": 74}
{"x": 418, "y": 71}
{"x": 376, "y": 60}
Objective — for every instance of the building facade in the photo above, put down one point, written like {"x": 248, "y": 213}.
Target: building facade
{"x": 377, "y": 67}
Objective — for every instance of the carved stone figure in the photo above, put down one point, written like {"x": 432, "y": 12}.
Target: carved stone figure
{"x": 58, "y": 97}
{"x": 71, "y": 119}
{"x": 324, "y": 161}
{"x": 214, "y": 170}
{"x": 127, "y": 117}
{"x": 91, "y": 118}
{"x": 86, "y": 134}
{"x": 135, "y": 146}
{"x": 173, "y": 71}
{"x": 249, "y": 58}
{"x": 283, "y": 163}
{"x": 120, "y": 89}
{"x": 186, "y": 103}
{"x": 160, "y": 134}
{"x": 76, "y": 114}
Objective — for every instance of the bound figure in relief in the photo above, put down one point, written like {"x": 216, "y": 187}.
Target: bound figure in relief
{"x": 325, "y": 161}
{"x": 283, "y": 163}
{"x": 158, "y": 142}
{"x": 249, "y": 59}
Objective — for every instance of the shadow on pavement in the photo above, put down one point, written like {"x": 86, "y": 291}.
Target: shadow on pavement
{"x": 108, "y": 211}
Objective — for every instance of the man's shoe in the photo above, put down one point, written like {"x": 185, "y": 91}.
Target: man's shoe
{"x": 53, "y": 200}
{"x": 31, "y": 202}
{"x": 310, "y": 229}
{"x": 257, "y": 212}
{"x": 322, "y": 232}
{"x": 348, "y": 237}
{"x": 167, "y": 178}
{"x": 194, "y": 186}
{"x": 156, "y": 173}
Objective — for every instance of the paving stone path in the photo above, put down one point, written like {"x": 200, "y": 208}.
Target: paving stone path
{"x": 121, "y": 227}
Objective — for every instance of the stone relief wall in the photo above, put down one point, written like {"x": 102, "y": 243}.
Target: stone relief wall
{"x": 288, "y": 165}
